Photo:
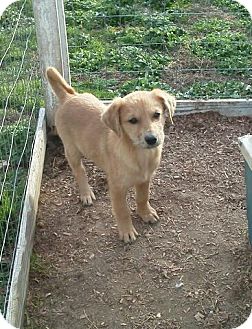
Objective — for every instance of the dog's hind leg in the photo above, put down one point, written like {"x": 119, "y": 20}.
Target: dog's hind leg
{"x": 74, "y": 159}
{"x": 144, "y": 210}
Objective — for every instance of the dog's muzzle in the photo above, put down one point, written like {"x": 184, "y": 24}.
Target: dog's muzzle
{"x": 151, "y": 140}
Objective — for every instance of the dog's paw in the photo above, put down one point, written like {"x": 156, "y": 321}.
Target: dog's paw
{"x": 129, "y": 235}
{"x": 149, "y": 216}
{"x": 87, "y": 198}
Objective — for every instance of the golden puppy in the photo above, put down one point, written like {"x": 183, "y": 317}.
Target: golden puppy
{"x": 125, "y": 139}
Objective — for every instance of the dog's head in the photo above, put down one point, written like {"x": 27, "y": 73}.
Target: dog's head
{"x": 141, "y": 116}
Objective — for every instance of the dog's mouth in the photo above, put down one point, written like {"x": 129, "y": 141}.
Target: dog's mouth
{"x": 147, "y": 146}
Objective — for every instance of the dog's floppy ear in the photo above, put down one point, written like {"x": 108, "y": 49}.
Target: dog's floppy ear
{"x": 168, "y": 101}
{"x": 111, "y": 116}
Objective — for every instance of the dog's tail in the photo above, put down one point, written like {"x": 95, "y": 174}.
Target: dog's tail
{"x": 59, "y": 85}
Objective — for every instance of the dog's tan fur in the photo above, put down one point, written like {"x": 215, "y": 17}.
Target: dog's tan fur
{"x": 106, "y": 136}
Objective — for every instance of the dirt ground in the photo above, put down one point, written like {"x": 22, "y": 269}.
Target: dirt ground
{"x": 191, "y": 270}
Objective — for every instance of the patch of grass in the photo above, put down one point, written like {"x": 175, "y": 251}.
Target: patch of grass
{"x": 132, "y": 58}
{"x": 233, "y": 6}
{"x": 14, "y": 156}
{"x": 158, "y": 37}
{"x": 110, "y": 88}
{"x": 143, "y": 83}
{"x": 12, "y": 141}
{"x": 132, "y": 35}
{"x": 167, "y": 4}
{"x": 20, "y": 95}
{"x": 39, "y": 268}
{"x": 11, "y": 16}
{"x": 146, "y": 36}
{"x": 10, "y": 205}
{"x": 14, "y": 161}
{"x": 101, "y": 88}
{"x": 95, "y": 56}
{"x": 212, "y": 89}
{"x": 215, "y": 24}
{"x": 227, "y": 49}
{"x": 166, "y": 37}
{"x": 91, "y": 57}
{"x": 10, "y": 201}
{"x": 38, "y": 265}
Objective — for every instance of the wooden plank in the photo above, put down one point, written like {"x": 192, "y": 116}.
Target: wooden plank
{"x": 245, "y": 144}
{"x": 19, "y": 280}
{"x": 227, "y": 107}
{"x": 63, "y": 41}
{"x": 52, "y": 46}
{"x": 248, "y": 178}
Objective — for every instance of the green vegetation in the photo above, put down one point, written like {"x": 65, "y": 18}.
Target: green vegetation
{"x": 11, "y": 200}
{"x": 219, "y": 89}
{"x": 20, "y": 99}
{"x": 228, "y": 50}
{"x": 38, "y": 265}
{"x": 118, "y": 47}
{"x": 39, "y": 268}
{"x": 16, "y": 140}
{"x": 18, "y": 134}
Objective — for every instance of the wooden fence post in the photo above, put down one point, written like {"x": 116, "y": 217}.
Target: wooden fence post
{"x": 52, "y": 46}
{"x": 248, "y": 179}
{"x": 245, "y": 144}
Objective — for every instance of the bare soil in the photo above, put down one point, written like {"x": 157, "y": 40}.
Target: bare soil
{"x": 191, "y": 270}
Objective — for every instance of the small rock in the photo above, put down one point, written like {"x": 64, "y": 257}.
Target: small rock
{"x": 199, "y": 317}
{"x": 179, "y": 285}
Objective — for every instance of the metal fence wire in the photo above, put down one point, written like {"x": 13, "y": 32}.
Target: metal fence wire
{"x": 20, "y": 100}
{"x": 195, "y": 49}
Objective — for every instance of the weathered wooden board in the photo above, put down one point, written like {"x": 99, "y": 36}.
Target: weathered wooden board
{"x": 228, "y": 107}
{"x": 52, "y": 46}
{"x": 245, "y": 144}
{"x": 248, "y": 179}
{"x": 19, "y": 280}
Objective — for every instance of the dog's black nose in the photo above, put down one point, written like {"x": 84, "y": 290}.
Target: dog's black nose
{"x": 150, "y": 139}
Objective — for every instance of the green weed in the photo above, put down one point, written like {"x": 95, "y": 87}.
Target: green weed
{"x": 112, "y": 39}
{"x": 227, "y": 49}
{"x": 101, "y": 88}
{"x": 12, "y": 141}
{"x": 211, "y": 89}
{"x": 38, "y": 265}
{"x": 145, "y": 83}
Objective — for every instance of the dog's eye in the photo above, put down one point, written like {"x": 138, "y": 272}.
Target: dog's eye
{"x": 156, "y": 115}
{"x": 133, "y": 120}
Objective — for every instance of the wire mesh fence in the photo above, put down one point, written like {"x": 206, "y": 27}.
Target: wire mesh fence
{"x": 20, "y": 100}
{"x": 194, "y": 49}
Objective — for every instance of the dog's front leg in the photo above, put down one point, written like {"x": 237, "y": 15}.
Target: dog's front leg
{"x": 144, "y": 210}
{"x": 127, "y": 232}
